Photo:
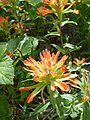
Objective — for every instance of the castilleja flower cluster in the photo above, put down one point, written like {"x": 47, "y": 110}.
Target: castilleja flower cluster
{"x": 48, "y": 71}
{"x": 56, "y": 6}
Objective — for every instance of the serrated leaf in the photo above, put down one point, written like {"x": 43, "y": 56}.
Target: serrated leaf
{"x": 6, "y": 71}
{"x": 27, "y": 44}
{"x": 13, "y": 44}
{"x": 3, "y": 47}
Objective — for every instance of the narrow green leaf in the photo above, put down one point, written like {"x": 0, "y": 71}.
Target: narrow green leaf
{"x": 52, "y": 34}
{"x": 59, "y": 48}
{"x": 56, "y": 102}
{"x": 86, "y": 112}
{"x": 41, "y": 108}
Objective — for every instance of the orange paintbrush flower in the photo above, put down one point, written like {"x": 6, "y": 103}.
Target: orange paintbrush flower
{"x": 5, "y": 1}
{"x": 43, "y": 10}
{"x": 76, "y": 11}
{"x": 79, "y": 62}
{"x": 85, "y": 98}
{"x": 2, "y": 19}
{"x": 48, "y": 71}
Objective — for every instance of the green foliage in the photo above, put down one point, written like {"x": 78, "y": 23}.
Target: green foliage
{"x": 6, "y": 67}
{"x": 6, "y": 71}
{"x": 3, "y": 47}
{"x": 5, "y": 110}
{"x": 26, "y": 33}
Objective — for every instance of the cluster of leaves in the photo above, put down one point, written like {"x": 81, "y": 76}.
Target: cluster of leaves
{"x": 25, "y": 33}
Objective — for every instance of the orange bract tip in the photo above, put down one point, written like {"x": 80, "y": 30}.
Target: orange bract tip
{"x": 53, "y": 88}
{"x": 76, "y": 11}
{"x": 43, "y": 10}
{"x": 85, "y": 98}
{"x": 84, "y": 74}
{"x": 24, "y": 88}
{"x": 65, "y": 75}
{"x": 29, "y": 98}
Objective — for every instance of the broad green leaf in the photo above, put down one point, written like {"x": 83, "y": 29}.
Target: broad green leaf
{"x": 3, "y": 47}
{"x": 13, "y": 44}
{"x": 28, "y": 44}
{"x": 6, "y": 70}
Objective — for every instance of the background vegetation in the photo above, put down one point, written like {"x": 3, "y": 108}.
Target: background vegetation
{"x": 24, "y": 33}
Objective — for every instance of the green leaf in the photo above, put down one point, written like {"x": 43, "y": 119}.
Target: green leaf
{"x": 13, "y": 44}
{"x": 32, "y": 13}
{"x": 86, "y": 112}
{"x": 55, "y": 99}
{"x": 27, "y": 45}
{"x": 52, "y": 34}
{"x": 5, "y": 111}
{"x": 67, "y": 97}
{"x": 74, "y": 115}
{"x": 6, "y": 70}
{"x": 71, "y": 47}
{"x": 59, "y": 48}
{"x": 68, "y": 22}
{"x": 3, "y": 47}
{"x": 34, "y": 2}
{"x": 87, "y": 1}
{"x": 40, "y": 108}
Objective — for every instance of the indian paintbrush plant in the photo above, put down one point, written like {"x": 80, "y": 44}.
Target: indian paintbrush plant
{"x": 53, "y": 74}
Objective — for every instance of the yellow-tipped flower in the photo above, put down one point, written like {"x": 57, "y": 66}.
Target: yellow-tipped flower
{"x": 48, "y": 72}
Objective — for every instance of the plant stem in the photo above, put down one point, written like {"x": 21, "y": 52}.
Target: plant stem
{"x": 59, "y": 26}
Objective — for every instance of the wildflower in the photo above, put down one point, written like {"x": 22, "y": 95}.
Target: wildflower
{"x": 9, "y": 54}
{"x": 24, "y": 88}
{"x": 79, "y": 62}
{"x": 2, "y": 19}
{"x": 48, "y": 72}
{"x": 6, "y": 2}
{"x": 75, "y": 11}
{"x": 85, "y": 98}
{"x": 84, "y": 74}
{"x": 43, "y": 10}
{"x": 87, "y": 88}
